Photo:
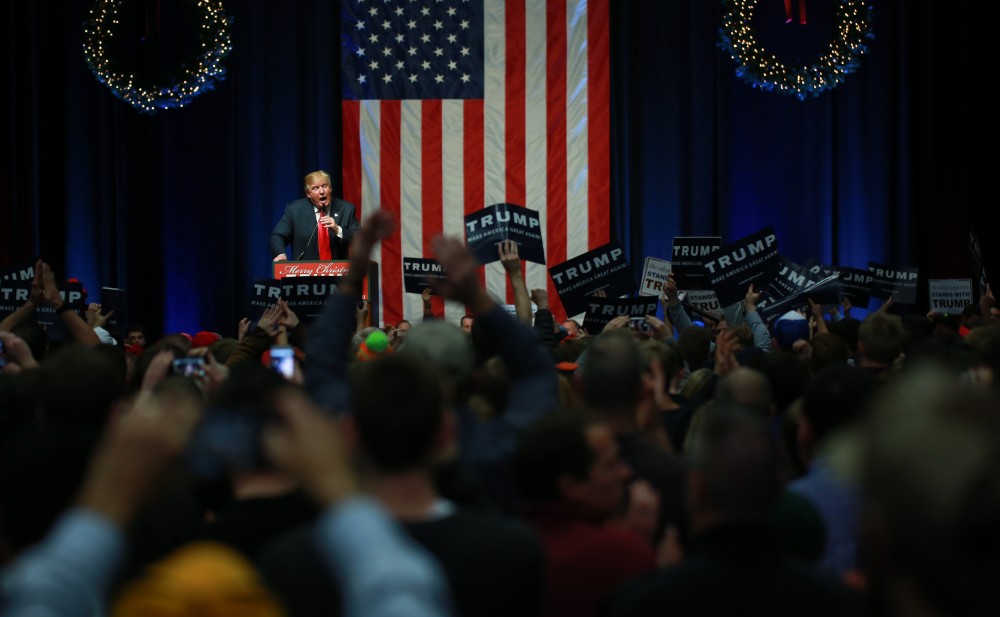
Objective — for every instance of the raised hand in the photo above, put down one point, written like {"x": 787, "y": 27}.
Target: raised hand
{"x": 242, "y": 328}
{"x": 157, "y": 370}
{"x": 378, "y": 225}
{"x": 986, "y": 302}
{"x": 726, "y": 346}
{"x": 269, "y": 319}
{"x": 509, "y": 257}
{"x": 96, "y": 319}
{"x": 750, "y": 300}
{"x": 361, "y": 314}
{"x": 43, "y": 287}
{"x": 660, "y": 330}
{"x": 669, "y": 296}
{"x": 214, "y": 375}
{"x": 885, "y": 306}
{"x": 93, "y": 310}
{"x": 461, "y": 283}
{"x": 288, "y": 317}
{"x": 540, "y": 297}
{"x": 617, "y": 323}
{"x": 817, "y": 323}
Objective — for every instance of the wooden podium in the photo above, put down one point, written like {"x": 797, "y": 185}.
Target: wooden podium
{"x": 336, "y": 269}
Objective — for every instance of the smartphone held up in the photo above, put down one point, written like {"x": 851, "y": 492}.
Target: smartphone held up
{"x": 283, "y": 360}
{"x": 189, "y": 366}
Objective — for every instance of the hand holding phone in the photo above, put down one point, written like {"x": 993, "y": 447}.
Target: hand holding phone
{"x": 189, "y": 366}
{"x": 283, "y": 360}
{"x": 638, "y": 324}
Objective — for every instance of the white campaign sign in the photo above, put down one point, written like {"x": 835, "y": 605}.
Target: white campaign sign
{"x": 949, "y": 295}
{"x": 654, "y": 275}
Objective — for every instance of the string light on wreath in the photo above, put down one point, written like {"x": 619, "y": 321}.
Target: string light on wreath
{"x": 195, "y": 76}
{"x": 761, "y": 69}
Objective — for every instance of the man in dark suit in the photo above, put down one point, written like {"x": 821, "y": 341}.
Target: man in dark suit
{"x": 306, "y": 221}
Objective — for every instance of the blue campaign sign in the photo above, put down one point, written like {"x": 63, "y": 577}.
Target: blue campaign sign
{"x": 604, "y": 268}
{"x": 487, "y": 228}
{"x": 899, "y": 282}
{"x": 689, "y": 253}
{"x": 602, "y": 310}
{"x": 753, "y": 259}
{"x": 418, "y": 273}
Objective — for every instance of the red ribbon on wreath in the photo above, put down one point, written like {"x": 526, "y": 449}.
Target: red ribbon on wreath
{"x": 802, "y": 11}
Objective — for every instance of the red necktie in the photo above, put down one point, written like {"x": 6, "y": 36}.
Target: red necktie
{"x": 323, "y": 238}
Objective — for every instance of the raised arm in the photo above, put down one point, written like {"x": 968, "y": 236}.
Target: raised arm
{"x": 253, "y": 345}
{"x": 545, "y": 322}
{"x": 672, "y": 304}
{"x": 761, "y": 335}
{"x": 329, "y": 339}
{"x": 986, "y": 302}
{"x": 817, "y": 314}
{"x": 512, "y": 265}
{"x": 47, "y": 294}
{"x": 533, "y": 384}
{"x": 425, "y": 299}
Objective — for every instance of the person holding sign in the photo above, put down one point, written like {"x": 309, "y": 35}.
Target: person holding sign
{"x": 318, "y": 226}
{"x": 45, "y": 294}
{"x": 738, "y": 313}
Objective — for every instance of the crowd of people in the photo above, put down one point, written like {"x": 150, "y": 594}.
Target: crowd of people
{"x": 507, "y": 465}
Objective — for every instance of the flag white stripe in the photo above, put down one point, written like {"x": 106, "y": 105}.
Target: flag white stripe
{"x": 370, "y": 158}
{"x": 535, "y": 129}
{"x": 453, "y": 189}
{"x": 410, "y": 185}
{"x": 495, "y": 160}
{"x": 576, "y": 129}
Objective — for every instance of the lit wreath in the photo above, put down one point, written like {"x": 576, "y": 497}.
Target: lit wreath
{"x": 852, "y": 27}
{"x": 194, "y": 77}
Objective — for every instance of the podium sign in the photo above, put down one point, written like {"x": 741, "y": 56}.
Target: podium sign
{"x": 310, "y": 268}
{"x": 337, "y": 269}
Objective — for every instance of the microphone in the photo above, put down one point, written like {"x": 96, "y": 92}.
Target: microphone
{"x": 322, "y": 213}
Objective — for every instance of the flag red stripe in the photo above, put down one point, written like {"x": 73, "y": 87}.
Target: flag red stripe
{"x": 389, "y": 169}
{"x": 473, "y": 168}
{"x": 351, "y": 153}
{"x": 598, "y": 124}
{"x": 555, "y": 109}
{"x": 514, "y": 88}
{"x": 431, "y": 179}
{"x": 514, "y": 105}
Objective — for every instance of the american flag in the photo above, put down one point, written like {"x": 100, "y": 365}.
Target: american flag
{"x": 453, "y": 105}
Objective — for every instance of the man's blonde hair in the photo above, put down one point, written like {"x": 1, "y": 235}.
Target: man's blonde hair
{"x": 314, "y": 175}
